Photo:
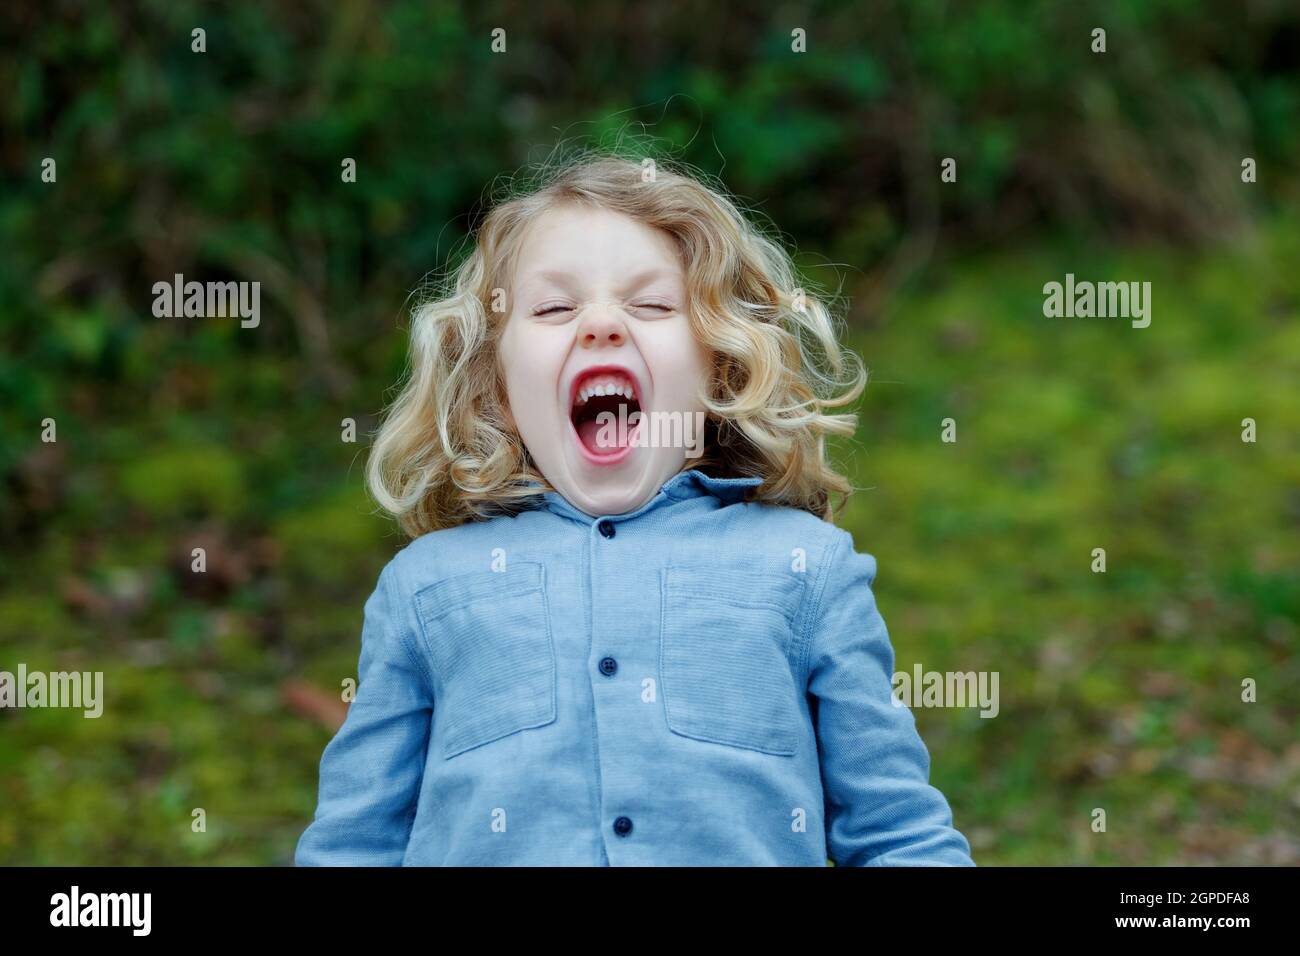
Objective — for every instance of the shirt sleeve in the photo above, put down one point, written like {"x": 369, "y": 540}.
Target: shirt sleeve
{"x": 370, "y": 772}
{"x": 880, "y": 807}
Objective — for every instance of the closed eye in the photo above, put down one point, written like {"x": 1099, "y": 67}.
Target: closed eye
{"x": 551, "y": 309}
{"x": 654, "y": 305}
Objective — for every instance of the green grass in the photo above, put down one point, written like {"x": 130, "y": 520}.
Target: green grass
{"x": 1121, "y": 690}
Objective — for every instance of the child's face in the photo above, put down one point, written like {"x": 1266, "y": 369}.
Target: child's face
{"x": 598, "y": 303}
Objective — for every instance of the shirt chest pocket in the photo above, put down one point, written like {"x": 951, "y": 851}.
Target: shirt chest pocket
{"x": 489, "y": 638}
{"x": 725, "y": 667}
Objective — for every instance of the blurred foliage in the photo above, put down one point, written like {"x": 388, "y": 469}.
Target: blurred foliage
{"x": 1119, "y": 690}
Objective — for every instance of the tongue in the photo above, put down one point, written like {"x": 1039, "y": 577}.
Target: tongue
{"x": 590, "y": 433}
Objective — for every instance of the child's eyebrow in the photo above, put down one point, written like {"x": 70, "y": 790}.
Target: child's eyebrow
{"x": 568, "y": 280}
{"x": 565, "y": 278}
{"x": 642, "y": 279}
{"x": 554, "y": 276}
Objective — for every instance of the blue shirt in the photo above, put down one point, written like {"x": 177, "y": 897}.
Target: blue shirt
{"x": 702, "y": 681}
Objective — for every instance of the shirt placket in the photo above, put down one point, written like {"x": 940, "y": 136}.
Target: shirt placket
{"x": 613, "y": 606}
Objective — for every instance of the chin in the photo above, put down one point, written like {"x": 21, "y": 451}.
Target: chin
{"x": 613, "y": 495}
{"x": 615, "y": 489}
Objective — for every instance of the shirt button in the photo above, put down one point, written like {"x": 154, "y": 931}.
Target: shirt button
{"x": 623, "y": 826}
{"x": 606, "y": 528}
{"x": 608, "y": 666}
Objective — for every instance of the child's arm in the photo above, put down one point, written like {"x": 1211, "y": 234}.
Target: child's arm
{"x": 370, "y": 772}
{"x": 880, "y": 807}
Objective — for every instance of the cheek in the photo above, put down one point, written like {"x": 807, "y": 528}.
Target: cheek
{"x": 701, "y": 360}
{"x": 686, "y": 365}
{"x": 514, "y": 343}
{"x": 513, "y": 372}
{"x": 529, "y": 362}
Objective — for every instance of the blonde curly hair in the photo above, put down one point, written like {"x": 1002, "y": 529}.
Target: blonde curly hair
{"x": 447, "y": 451}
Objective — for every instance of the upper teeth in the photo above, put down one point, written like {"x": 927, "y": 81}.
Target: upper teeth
{"x": 606, "y": 385}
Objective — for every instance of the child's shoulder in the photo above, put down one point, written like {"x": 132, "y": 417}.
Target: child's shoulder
{"x": 764, "y": 534}
{"x": 449, "y": 552}
{"x": 786, "y": 522}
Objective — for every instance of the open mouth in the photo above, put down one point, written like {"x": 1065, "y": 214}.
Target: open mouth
{"x": 601, "y": 409}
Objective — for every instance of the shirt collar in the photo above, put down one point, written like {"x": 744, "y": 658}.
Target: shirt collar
{"x": 680, "y": 487}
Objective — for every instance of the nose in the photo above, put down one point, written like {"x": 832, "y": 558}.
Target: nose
{"x": 601, "y": 327}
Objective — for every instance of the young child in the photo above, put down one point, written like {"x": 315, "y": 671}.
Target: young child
{"x": 626, "y": 632}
